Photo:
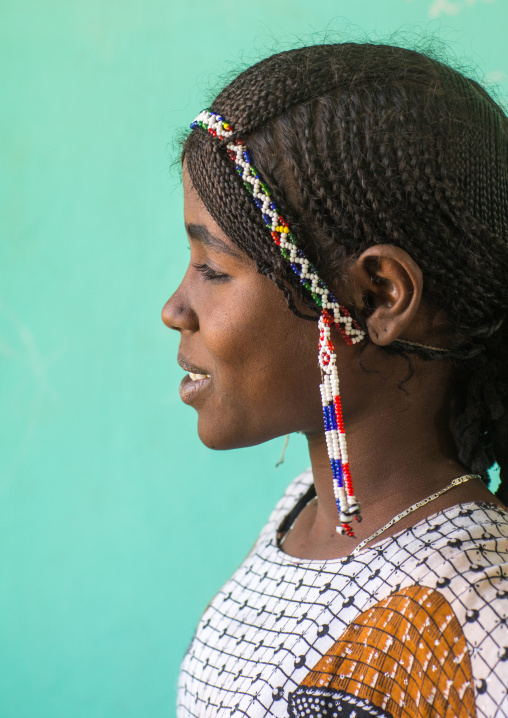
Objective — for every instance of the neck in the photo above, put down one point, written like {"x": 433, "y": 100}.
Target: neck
{"x": 397, "y": 457}
{"x": 389, "y": 482}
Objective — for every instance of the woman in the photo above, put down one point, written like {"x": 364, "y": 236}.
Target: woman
{"x": 363, "y": 189}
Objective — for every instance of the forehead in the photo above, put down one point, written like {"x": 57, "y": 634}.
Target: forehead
{"x": 192, "y": 202}
{"x": 201, "y": 226}
{"x": 195, "y": 211}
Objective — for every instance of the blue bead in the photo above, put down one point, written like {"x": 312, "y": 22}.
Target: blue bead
{"x": 337, "y": 470}
{"x": 330, "y": 417}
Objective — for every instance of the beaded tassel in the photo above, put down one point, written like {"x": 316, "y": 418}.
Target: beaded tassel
{"x": 332, "y": 313}
{"x": 347, "y": 505}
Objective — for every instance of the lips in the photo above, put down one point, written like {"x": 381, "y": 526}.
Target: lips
{"x": 194, "y": 383}
{"x": 191, "y": 368}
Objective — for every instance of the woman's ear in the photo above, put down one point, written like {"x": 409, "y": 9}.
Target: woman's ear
{"x": 387, "y": 289}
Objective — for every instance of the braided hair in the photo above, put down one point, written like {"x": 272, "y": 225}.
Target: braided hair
{"x": 370, "y": 144}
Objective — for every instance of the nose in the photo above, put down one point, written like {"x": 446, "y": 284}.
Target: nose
{"x": 178, "y": 314}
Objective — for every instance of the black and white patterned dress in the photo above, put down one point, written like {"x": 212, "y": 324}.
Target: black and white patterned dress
{"x": 415, "y": 625}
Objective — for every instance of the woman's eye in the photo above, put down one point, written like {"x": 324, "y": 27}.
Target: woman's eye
{"x": 208, "y": 272}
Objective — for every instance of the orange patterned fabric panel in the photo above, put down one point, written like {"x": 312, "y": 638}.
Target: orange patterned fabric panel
{"x": 406, "y": 656}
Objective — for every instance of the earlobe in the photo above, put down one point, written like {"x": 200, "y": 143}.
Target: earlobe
{"x": 387, "y": 291}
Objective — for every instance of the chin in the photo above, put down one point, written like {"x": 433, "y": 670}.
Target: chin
{"x": 222, "y": 437}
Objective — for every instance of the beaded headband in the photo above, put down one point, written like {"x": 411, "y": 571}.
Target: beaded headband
{"x": 332, "y": 314}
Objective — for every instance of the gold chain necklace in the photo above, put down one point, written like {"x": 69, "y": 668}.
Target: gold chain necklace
{"x": 455, "y": 482}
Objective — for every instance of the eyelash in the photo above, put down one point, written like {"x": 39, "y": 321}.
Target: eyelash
{"x": 209, "y": 273}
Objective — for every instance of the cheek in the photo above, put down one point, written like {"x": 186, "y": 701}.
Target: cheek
{"x": 252, "y": 337}
{"x": 266, "y": 374}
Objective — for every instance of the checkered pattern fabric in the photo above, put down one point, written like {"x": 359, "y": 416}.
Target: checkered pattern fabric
{"x": 293, "y": 637}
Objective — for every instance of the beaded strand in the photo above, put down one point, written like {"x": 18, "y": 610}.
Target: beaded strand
{"x": 332, "y": 314}
{"x": 336, "y": 444}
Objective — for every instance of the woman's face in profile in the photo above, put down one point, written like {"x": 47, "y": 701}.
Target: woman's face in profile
{"x": 256, "y": 361}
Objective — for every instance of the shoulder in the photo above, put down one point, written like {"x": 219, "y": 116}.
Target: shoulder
{"x": 465, "y": 540}
{"x": 435, "y": 635}
{"x": 460, "y": 560}
{"x": 461, "y": 552}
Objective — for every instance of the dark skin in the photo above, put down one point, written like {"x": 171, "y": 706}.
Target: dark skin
{"x": 236, "y": 327}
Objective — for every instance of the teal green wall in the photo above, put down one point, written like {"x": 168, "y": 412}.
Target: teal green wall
{"x": 116, "y": 525}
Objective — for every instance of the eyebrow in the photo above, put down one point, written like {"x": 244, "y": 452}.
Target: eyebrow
{"x": 199, "y": 233}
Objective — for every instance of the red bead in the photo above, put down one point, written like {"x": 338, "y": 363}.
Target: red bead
{"x": 345, "y": 336}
